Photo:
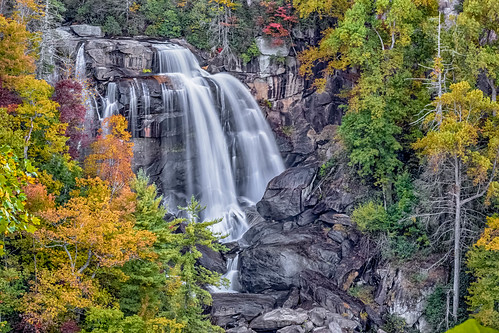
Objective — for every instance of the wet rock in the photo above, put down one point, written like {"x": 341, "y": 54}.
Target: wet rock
{"x": 279, "y": 318}
{"x": 277, "y": 258}
{"x": 212, "y": 260}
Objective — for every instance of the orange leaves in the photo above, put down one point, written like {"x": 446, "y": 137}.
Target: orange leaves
{"x": 112, "y": 154}
{"x": 37, "y": 198}
{"x": 93, "y": 229}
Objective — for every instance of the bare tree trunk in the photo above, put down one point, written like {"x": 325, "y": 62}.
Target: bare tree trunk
{"x": 457, "y": 237}
{"x": 439, "y": 78}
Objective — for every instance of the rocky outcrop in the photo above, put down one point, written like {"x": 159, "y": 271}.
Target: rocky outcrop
{"x": 302, "y": 255}
{"x": 85, "y": 30}
{"x": 121, "y": 58}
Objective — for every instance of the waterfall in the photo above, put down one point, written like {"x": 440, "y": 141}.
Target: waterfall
{"x": 230, "y": 149}
{"x": 132, "y": 112}
{"x": 87, "y": 96}
{"x": 215, "y": 143}
{"x": 146, "y": 99}
{"x": 110, "y": 105}
{"x": 258, "y": 158}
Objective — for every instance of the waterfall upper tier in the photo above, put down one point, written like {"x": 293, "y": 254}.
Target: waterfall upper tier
{"x": 195, "y": 134}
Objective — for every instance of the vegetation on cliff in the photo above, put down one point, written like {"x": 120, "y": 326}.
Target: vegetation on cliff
{"x": 85, "y": 245}
{"x": 84, "y": 241}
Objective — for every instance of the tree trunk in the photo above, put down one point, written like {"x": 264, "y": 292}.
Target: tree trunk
{"x": 457, "y": 237}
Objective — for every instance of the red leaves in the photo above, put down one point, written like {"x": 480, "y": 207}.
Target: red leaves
{"x": 281, "y": 19}
{"x": 8, "y": 98}
{"x": 72, "y": 111}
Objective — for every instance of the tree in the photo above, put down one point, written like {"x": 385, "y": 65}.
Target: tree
{"x": 68, "y": 94}
{"x": 188, "y": 279}
{"x": 328, "y": 8}
{"x": 464, "y": 147}
{"x": 483, "y": 260}
{"x": 478, "y": 47}
{"x": 112, "y": 154}
{"x": 37, "y": 119}
{"x": 15, "y": 41}
{"x": 93, "y": 231}
{"x": 14, "y": 176}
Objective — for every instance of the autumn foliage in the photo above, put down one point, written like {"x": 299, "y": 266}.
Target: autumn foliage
{"x": 68, "y": 94}
{"x": 112, "y": 154}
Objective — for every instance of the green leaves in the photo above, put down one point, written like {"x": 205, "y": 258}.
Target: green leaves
{"x": 14, "y": 175}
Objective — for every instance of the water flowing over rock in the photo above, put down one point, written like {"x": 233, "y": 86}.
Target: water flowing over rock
{"x": 294, "y": 252}
{"x": 200, "y": 135}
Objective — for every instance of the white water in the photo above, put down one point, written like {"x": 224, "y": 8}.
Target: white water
{"x": 132, "y": 112}
{"x": 230, "y": 152}
{"x": 110, "y": 105}
{"x": 87, "y": 96}
{"x": 258, "y": 159}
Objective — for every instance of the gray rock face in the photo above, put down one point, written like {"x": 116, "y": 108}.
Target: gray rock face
{"x": 285, "y": 194}
{"x": 277, "y": 258}
{"x": 112, "y": 59}
{"x": 292, "y": 329}
{"x": 279, "y": 318}
{"x": 230, "y": 308}
{"x": 85, "y": 30}
{"x": 266, "y": 48}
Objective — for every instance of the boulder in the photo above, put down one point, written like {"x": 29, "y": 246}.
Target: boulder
{"x": 212, "y": 260}
{"x": 278, "y": 257}
{"x": 316, "y": 288}
{"x": 292, "y": 329}
{"x": 228, "y": 308}
{"x": 285, "y": 194}
{"x": 279, "y": 318}
{"x": 266, "y": 47}
{"x": 334, "y": 327}
{"x": 85, "y": 30}
{"x": 240, "y": 329}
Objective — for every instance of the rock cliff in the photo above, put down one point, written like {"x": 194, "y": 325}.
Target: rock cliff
{"x": 302, "y": 262}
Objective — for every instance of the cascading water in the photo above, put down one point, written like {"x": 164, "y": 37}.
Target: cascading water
{"x": 231, "y": 152}
{"x": 256, "y": 157}
{"x": 110, "y": 104}
{"x": 81, "y": 77}
{"x": 214, "y": 141}
{"x": 133, "y": 106}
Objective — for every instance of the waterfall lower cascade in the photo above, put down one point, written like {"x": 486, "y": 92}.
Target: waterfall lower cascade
{"x": 215, "y": 143}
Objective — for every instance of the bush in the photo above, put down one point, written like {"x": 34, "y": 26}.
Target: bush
{"x": 371, "y": 217}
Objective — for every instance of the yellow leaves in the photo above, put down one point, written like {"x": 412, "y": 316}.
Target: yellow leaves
{"x": 95, "y": 225}
{"x": 329, "y": 8}
{"x": 462, "y": 128}
{"x": 56, "y": 292}
{"x": 226, "y": 3}
{"x": 490, "y": 236}
{"x": 14, "y": 59}
{"x": 135, "y": 7}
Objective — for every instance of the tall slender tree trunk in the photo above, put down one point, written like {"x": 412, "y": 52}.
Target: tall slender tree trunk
{"x": 457, "y": 237}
